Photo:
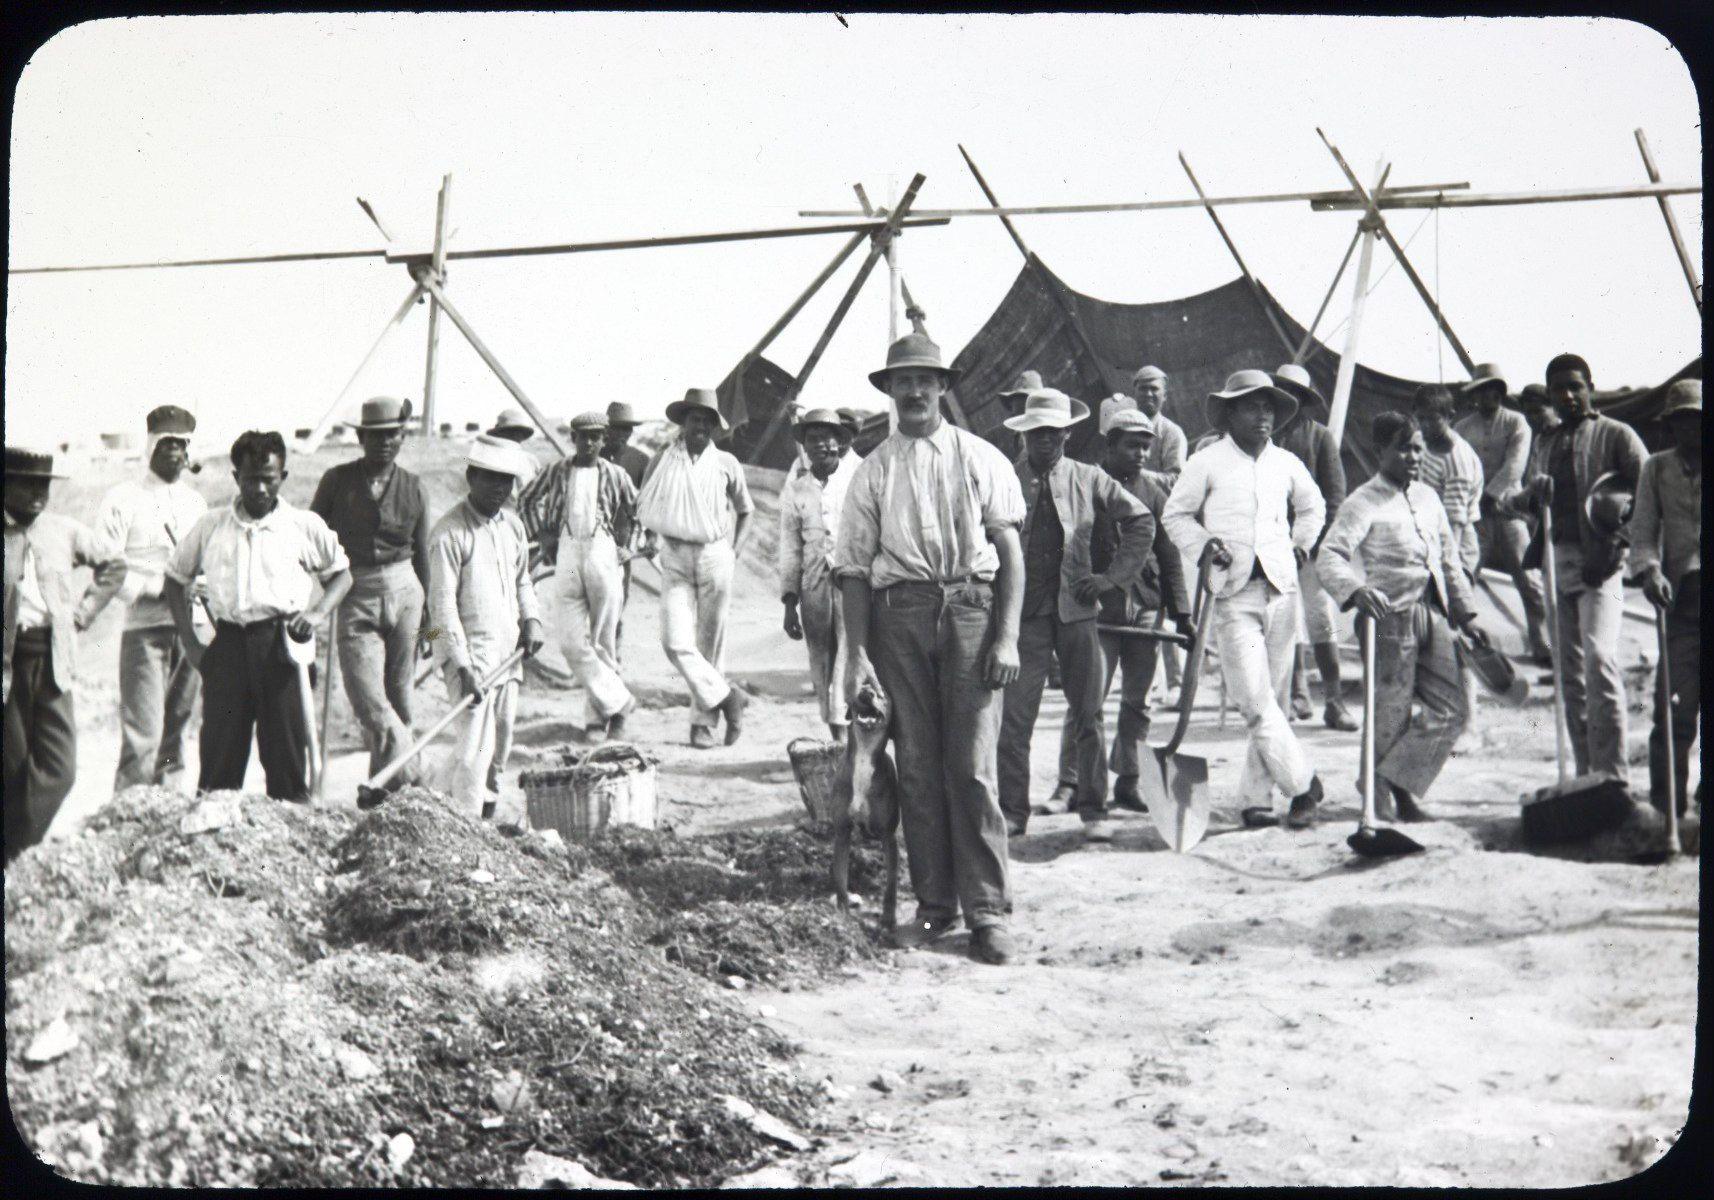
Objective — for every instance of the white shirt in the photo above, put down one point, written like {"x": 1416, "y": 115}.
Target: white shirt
{"x": 582, "y": 516}
{"x": 1244, "y": 501}
{"x": 32, "y": 606}
{"x": 147, "y": 518}
{"x": 258, "y": 569}
{"x": 809, "y": 525}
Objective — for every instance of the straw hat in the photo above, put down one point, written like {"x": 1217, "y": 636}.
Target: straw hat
{"x": 1685, "y": 395}
{"x": 1244, "y": 383}
{"x": 1047, "y": 408}
{"x": 514, "y": 425}
{"x": 620, "y": 416}
{"x": 493, "y": 453}
{"x": 703, "y": 398}
{"x": 1130, "y": 420}
{"x": 384, "y": 412}
{"x": 913, "y": 350}
{"x": 589, "y": 422}
{"x": 852, "y": 419}
{"x": 820, "y": 416}
{"x": 31, "y": 464}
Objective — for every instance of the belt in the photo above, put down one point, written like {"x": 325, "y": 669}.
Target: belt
{"x": 373, "y": 570}
{"x": 246, "y": 627}
{"x": 36, "y": 637}
{"x": 932, "y": 585}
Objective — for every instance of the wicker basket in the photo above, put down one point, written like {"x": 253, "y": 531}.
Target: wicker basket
{"x": 816, "y": 764}
{"x": 589, "y": 791}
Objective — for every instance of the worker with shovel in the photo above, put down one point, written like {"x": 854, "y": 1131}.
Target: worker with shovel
{"x": 261, "y": 557}
{"x": 1411, "y": 585}
{"x": 1252, "y": 510}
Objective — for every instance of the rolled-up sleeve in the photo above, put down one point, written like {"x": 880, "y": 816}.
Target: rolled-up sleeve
{"x": 859, "y": 537}
{"x": 323, "y": 556}
{"x": 1002, "y": 496}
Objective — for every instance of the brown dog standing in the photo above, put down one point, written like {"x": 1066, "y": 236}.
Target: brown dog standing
{"x": 867, "y": 794}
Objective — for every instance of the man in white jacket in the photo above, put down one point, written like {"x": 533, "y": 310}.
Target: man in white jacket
{"x": 809, "y": 526}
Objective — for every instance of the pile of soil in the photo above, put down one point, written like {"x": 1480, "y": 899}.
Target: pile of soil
{"x": 312, "y": 997}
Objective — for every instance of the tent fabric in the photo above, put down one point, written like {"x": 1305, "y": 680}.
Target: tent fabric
{"x": 749, "y": 398}
{"x": 1640, "y": 407}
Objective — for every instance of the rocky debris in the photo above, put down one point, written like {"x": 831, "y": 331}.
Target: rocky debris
{"x": 213, "y": 812}
{"x": 354, "y": 1064}
{"x": 56, "y": 1040}
{"x": 888, "y": 1082}
{"x": 871, "y": 1168}
{"x": 770, "y": 1127}
{"x": 775, "y": 1178}
{"x": 400, "y": 1147}
{"x": 548, "y": 1171}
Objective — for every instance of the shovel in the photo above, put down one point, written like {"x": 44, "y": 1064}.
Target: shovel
{"x": 1371, "y": 840}
{"x": 374, "y": 789}
{"x": 1574, "y": 808}
{"x": 1176, "y": 785}
{"x": 1669, "y": 851}
{"x": 302, "y": 655}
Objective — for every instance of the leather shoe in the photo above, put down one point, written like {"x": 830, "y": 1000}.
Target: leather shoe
{"x": 1409, "y": 810}
{"x": 1014, "y": 827}
{"x": 992, "y": 944}
{"x": 616, "y": 722}
{"x": 733, "y": 709}
{"x": 1063, "y": 799}
{"x": 1302, "y": 814}
{"x": 1301, "y": 709}
{"x": 921, "y": 933}
{"x": 1126, "y": 795}
{"x": 1335, "y": 716}
{"x": 1098, "y": 831}
{"x": 1259, "y": 816}
{"x": 702, "y": 737}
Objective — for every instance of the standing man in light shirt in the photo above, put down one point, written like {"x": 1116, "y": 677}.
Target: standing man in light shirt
{"x": 262, "y": 558}
{"x": 1666, "y": 558}
{"x": 696, "y": 500}
{"x": 809, "y": 529}
{"x": 484, "y": 605}
{"x": 158, "y": 686}
{"x": 1230, "y": 508}
{"x": 1166, "y": 457}
{"x": 582, "y": 509}
{"x": 930, "y": 570}
{"x": 1411, "y": 584}
{"x": 1450, "y": 466}
{"x": 1501, "y": 438}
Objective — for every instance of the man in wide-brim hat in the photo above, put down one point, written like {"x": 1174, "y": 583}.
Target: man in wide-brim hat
{"x": 43, "y": 616}
{"x": 696, "y": 501}
{"x": 379, "y": 511}
{"x": 1251, "y": 512}
{"x": 930, "y": 572}
{"x": 582, "y": 510}
{"x": 809, "y": 528}
{"x": 1315, "y": 446}
{"x": 1064, "y": 500}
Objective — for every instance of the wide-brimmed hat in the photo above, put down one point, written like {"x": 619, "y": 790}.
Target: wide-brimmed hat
{"x": 493, "y": 453}
{"x": 703, "y": 398}
{"x": 514, "y": 425}
{"x": 384, "y": 412}
{"x": 33, "y": 464}
{"x": 1130, "y": 420}
{"x": 1482, "y": 376}
{"x": 169, "y": 420}
{"x": 590, "y": 422}
{"x": 1245, "y": 383}
{"x": 1609, "y": 503}
{"x": 913, "y": 350}
{"x": 1047, "y": 408}
{"x": 1685, "y": 395}
{"x": 1296, "y": 381}
{"x": 619, "y": 415}
{"x": 1023, "y": 385}
{"x": 852, "y": 419}
{"x": 819, "y": 416}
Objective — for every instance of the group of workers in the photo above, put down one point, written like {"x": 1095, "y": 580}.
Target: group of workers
{"x": 935, "y": 568}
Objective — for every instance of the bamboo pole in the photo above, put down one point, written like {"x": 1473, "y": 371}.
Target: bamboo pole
{"x": 429, "y": 284}
{"x": 1243, "y": 268}
{"x": 1050, "y": 210}
{"x": 320, "y": 430}
{"x": 1671, "y": 219}
{"x": 430, "y": 429}
{"x": 1498, "y": 199}
{"x": 1302, "y": 351}
{"x": 1347, "y": 374}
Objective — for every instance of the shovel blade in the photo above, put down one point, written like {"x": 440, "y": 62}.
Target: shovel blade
{"x": 1181, "y": 811}
{"x": 1382, "y": 842}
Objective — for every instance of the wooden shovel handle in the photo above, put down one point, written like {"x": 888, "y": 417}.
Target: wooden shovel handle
{"x": 1204, "y": 608}
{"x": 1366, "y": 635}
{"x": 1551, "y": 602}
{"x": 382, "y": 777}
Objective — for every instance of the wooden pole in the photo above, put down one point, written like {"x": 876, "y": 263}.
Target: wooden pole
{"x": 430, "y": 285}
{"x": 1243, "y": 269}
{"x": 1347, "y": 374}
{"x": 430, "y": 428}
{"x": 808, "y": 292}
{"x": 1050, "y": 210}
{"x": 1500, "y": 199}
{"x": 1399, "y": 253}
{"x": 320, "y": 431}
{"x": 1309, "y": 334}
{"x": 1684, "y": 259}
{"x": 893, "y": 276}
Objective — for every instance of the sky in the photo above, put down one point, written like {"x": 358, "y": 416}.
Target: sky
{"x": 147, "y": 138}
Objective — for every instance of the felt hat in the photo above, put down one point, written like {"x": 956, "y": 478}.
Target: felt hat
{"x": 1685, "y": 395}
{"x": 703, "y": 398}
{"x": 1130, "y": 420}
{"x": 32, "y": 464}
{"x": 1115, "y": 404}
{"x": 1534, "y": 391}
{"x": 820, "y": 416}
{"x": 169, "y": 420}
{"x": 589, "y": 421}
{"x": 620, "y": 416}
{"x": 1245, "y": 383}
{"x": 1143, "y": 374}
{"x": 514, "y": 425}
{"x": 1047, "y": 408}
{"x": 500, "y": 454}
{"x": 1024, "y": 384}
{"x": 1296, "y": 381}
{"x": 852, "y": 419}
{"x": 1483, "y": 375}
{"x": 913, "y": 350}
{"x": 1609, "y": 503}
{"x": 384, "y": 412}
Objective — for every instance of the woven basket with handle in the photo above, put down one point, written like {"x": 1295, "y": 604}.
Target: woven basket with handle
{"x": 585, "y": 792}
{"x": 816, "y": 764}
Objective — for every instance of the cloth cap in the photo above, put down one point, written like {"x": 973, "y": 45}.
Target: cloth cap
{"x": 913, "y": 350}
{"x": 1244, "y": 383}
{"x": 1048, "y": 408}
{"x": 169, "y": 420}
{"x": 1685, "y": 395}
{"x": 33, "y": 464}
{"x": 384, "y": 412}
{"x": 1128, "y": 420}
{"x": 1117, "y": 403}
{"x": 493, "y": 453}
{"x": 1484, "y": 374}
{"x": 703, "y": 398}
{"x": 589, "y": 421}
{"x": 619, "y": 415}
{"x": 1144, "y": 374}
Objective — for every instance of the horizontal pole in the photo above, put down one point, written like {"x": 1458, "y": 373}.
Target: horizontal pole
{"x": 1496, "y": 199}
{"x": 1047, "y": 210}
{"x": 686, "y": 239}
{"x": 307, "y": 256}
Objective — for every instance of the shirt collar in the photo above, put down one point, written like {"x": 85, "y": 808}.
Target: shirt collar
{"x": 245, "y": 519}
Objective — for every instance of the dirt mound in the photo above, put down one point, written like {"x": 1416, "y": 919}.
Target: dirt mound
{"x": 238, "y": 992}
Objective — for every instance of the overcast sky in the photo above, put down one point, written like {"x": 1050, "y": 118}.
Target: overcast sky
{"x": 187, "y": 137}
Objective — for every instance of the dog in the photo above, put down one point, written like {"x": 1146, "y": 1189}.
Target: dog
{"x": 866, "y": 795}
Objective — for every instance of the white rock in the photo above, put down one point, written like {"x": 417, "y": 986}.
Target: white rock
{"x": 215, "y": 812}
{"x": 551, "y": 837}
{"x": 872, "y": 1169}
{"x": 547, "y": 1171}
{"x": 766, "y": 1124}
{"x": 510, "y": 1093}
{"x": 354, "y": 1064}
{"x": 888, "y": 1081}
{"x": 768, "y": 1011}
{"x": 55, "y": 1041}
{"x": 768, "y": 1177}
{"x": 735, "y": 982}
{"x": 400, "y": 1147}
{"x": 481, "y": 875}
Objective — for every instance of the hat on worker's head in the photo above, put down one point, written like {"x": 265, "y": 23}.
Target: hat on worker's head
{"x": 589, "y": 422}
{"x": 1023, "y": 385}
{"x": 620, "y": 416}
{"x": 1296, "y": 381}
{"x": 1608, "y": 506}
{"x": 169, "y": 420}
{"x": 514, "y": 425}
{"x": 827, "y": 418}
{"x": 1112, "y": 406}
{"x": 384, "y": 412}
{"x": 1128, "y": 420}
{"x": 1249, "y": 383}
{"x": 1534, "y": 391}
{"x": 1146, "y": 374}
{"x": 500, "y": 454}
{"x": 697, "y": 398}
{"x": 1047, "y": 408}
{"x": 1685, "y": 395}
{"x": 30, "y": 464}
{"x": 1485, "y": 375}
{"x": 913, "y": 350}
{"x": 852, "y": 419}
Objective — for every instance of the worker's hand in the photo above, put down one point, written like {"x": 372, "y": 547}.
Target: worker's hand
{"x": 1002, "y": 666}
{"x": 1541, "y": 491}
{"x": 1466, "y": 621}
{"x": 470, "y": 683}
{"x": 1090, "y": 588}
{"x": 651, "y": 547}
{"x": 1370, "y": 603}
{"x": 794, "y": 626}
{"x": 1301, "y": 556}
{"x": 859, "y": 671}
{"x": 1657, "y": 589}
{"x": 530, "y": 637}
{"x": 1185, "y": 625}
{"x": 194, "y": 649}
{"x": 1215, "y": 552}
{"x": 198, "y": 591}
{"x": 300, "y": 627}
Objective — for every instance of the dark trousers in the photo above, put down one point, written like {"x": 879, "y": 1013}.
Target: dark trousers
{"x": 928, "y": 643}
{"x": 1684, "y": 664}
{"x": 1135, "y": 656}
{"x": 1078, "y": 646}
{"x": 1503, "y": 541}
{"x": 40, "y": 744}
{"x": 249, "y": 685}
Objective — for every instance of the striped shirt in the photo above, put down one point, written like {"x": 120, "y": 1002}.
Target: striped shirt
{"x": 545, "y": 509}
{"x": 479, "y": 592}
{"x": 1456, "y": 477}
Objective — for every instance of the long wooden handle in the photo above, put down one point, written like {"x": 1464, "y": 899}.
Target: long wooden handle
{"x": 327, "y": 688}
{"x": 382, "y": 777}
{"x": 1366, "y": 632}
{"x": 306, "y": 702}
{"x": 1666, "y": 730}
{"x": 1204, "y": 605}
{"x": 1551, "y": 601}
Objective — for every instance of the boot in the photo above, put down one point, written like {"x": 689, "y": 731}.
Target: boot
{"x": 702, "y": 737}
{"x": 1409, "y": 809}
{"x": 1302, "y": 814}
{"x": 1126, "y": 795}
{"x": 1301, "y": 709}
{"x": 732, "y": 708}
{"x": 1327, "y": 666}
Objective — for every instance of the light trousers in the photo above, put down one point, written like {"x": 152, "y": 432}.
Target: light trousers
{"x": 696, "y": 593}
{"x": 158, "y": 691}
{"x": 1588, "y": 634}
{"x": 1684, "y": 663}
{"x": 1320, "y": 614}
{"x": 481, "y": 745}
{"x": 1416, "y": 663}
{"x": 821, "y": 609}
{"x": 1255, "y": 632}
{"x": 379, "y": 621}
{"x": 589, "y": 591}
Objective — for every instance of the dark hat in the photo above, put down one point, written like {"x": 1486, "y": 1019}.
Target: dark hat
{"x": 620, "y": 416}
{"x": 820, "y": 416}
{"x": 1243, "y": 383}
{"x": 384, "y": 412}
{"x": 852, "y": 419}
{"x": 703, "y": 398}
{"x": 1685, "y": 395}
{"x": 172, "y": 420}
{"x": 912, "y": 350}
{"x": 31, "y": 464}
